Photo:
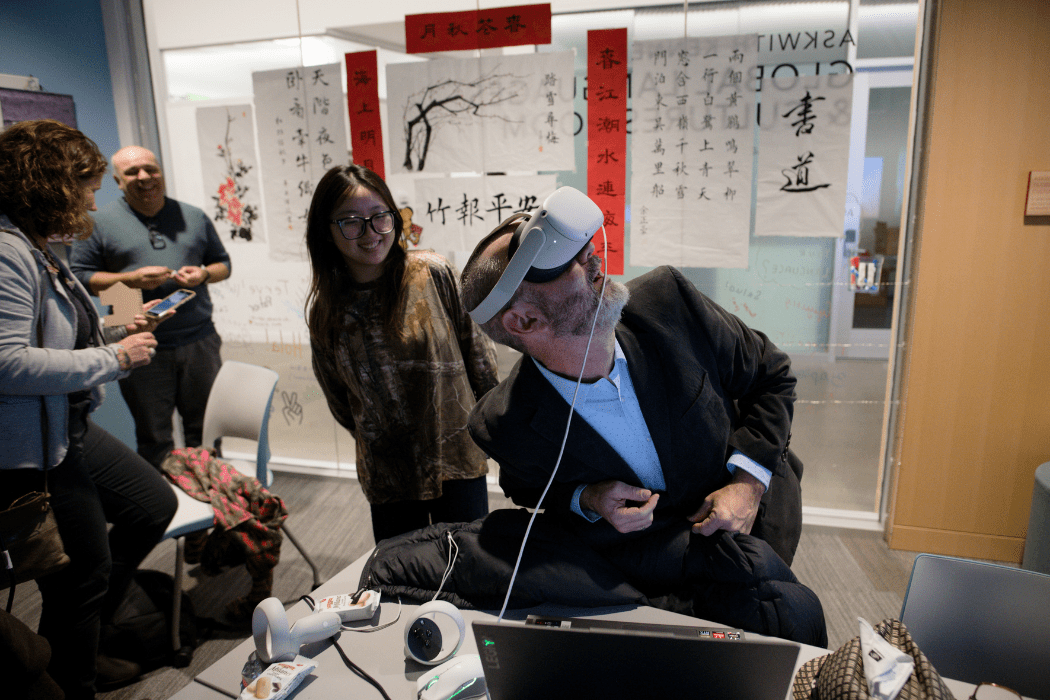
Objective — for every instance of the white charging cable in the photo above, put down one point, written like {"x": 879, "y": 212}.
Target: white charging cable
{"x": 453, "y": 554}
{"x": 565, "y": 437}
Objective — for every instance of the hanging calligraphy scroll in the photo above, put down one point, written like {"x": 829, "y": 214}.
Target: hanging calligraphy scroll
{"x": 457, "y": 212}
{"x": 492, "y": 114}
{"x": 692, "y": 150}
{"x": 230, "y": 168}
{"x": 803, "y": 155}
{"x": 607, "y": 136}
{"x": 362, "y": 100}
{"x": 301, "y": 136}
{"x": 478, "y": 29}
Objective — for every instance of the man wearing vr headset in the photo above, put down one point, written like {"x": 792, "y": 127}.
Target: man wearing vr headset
{"x": 683, "y": 413}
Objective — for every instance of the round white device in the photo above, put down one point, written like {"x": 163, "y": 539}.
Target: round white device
{"x": 435, "y": 633}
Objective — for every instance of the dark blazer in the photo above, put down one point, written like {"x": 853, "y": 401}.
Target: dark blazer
{"x": 707, "y": 385}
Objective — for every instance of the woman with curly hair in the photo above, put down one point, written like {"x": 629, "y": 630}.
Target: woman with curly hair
{"x": 54, "y": 360}
{"x": 398, "y": 358}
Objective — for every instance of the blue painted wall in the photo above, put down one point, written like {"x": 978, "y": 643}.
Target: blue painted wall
{"x": 62, "y": 43}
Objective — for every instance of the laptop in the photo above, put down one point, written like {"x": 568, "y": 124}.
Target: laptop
{"x": 551, "y": 658}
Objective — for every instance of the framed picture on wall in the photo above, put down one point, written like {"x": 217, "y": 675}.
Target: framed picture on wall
{"x": 21, "y": 105}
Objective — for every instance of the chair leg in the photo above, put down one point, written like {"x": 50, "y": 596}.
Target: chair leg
{"x": 313, "y": 567}
{"x": 176, "y": 601}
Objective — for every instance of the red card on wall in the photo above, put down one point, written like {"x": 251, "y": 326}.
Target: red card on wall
{"x": 362, "y": 101}
{"x": 607, "y": 136}
{"x": 478, "y": 29}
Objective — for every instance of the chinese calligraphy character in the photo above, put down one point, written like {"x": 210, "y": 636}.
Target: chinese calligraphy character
{"x": 804, "y": 124}
{"x": 431, "y": 210}
{"x": 514, "y": 23}
{"x": 799, "y": 180}
{"x": 498, "y": 205}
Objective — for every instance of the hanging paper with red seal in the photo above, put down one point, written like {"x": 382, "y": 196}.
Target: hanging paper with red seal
{"x": 490, "y": 28}
{"x": 362, "y": 100}
{"x": 607, "y": 136}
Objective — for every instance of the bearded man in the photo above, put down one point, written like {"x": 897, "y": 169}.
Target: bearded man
{"x": 681, "y": 421}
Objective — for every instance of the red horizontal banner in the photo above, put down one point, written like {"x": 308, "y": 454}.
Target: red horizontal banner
{"x": 607, "y": 136}
{"x": 362, "y": 101}
{"x": 478, "y": 29}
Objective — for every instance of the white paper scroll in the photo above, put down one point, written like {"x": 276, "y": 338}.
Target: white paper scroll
{"x": 230, "y": 167}
{"x": 692, "y": 151}
{"x": 302, "y": 134}
{"x": 455, "y": 213}
{"x": 803, "y": 155}
{"x": 491, "y": 114}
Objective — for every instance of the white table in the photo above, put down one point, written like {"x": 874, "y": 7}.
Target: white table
{"x": 381, "y": 653}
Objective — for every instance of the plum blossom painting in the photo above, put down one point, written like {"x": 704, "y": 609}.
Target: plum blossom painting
{"x": 231, "y": 172}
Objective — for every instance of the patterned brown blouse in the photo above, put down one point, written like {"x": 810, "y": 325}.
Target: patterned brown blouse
{"x": 406, "y": 400}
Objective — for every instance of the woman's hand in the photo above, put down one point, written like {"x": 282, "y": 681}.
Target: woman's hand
{"x": 147, "y": 324}
{"x": 136, "y": 350}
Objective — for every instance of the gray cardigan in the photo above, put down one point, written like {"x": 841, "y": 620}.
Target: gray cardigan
{"x": 32, "y": 369}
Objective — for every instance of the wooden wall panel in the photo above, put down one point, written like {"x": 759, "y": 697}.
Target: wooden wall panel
{"x": 975, "y": 418}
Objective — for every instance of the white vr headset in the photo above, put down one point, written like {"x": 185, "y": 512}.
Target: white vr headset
{"x": 544, "y": 245}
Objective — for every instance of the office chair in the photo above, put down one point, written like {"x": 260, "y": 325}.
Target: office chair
{"x": 981, "y": 622}
{"x": 238, "y": 406}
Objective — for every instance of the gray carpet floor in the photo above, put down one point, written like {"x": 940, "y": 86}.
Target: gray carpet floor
{"x": 853, "y": 572}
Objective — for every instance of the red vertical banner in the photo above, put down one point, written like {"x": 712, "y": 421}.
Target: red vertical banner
{"x": 607, "y": 136}
{"x": 362, "y": 101}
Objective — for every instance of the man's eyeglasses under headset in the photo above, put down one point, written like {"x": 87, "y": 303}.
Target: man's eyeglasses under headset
{"x": 155, "y": 238}
{"x": 353, "y": 227}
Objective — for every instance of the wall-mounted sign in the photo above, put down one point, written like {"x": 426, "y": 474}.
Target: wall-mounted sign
{"x": 1037, "y": 203}
{"x": 478, "y": 29}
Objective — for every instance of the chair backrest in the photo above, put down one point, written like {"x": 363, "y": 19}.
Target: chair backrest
{"x": 981, "y": 622}
{"x": 239, "y": 406}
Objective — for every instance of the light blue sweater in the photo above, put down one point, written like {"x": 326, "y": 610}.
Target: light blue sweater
{"x": 30, "y": 369}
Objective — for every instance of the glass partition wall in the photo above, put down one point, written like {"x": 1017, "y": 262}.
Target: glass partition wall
{"x": 795, "y": 289}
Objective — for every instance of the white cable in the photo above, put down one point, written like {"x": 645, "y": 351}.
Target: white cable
{"x": 565, "y": 438}
{"x": 453, "y": 554}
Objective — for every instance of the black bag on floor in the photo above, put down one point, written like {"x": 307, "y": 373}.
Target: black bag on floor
{"x": 141, "y": 627}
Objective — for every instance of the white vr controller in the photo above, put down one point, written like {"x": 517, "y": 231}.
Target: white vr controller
{"x": 276, "y": 641}
{"x": 544, "y": 245}
{"x": 424, "y": 640}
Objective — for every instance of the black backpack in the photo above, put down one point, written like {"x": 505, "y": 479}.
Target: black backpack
{"x": 141, "y": 627}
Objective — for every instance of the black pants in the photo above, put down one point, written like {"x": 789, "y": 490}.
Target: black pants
{"x": 175, "y": 379}
{"x": 462, "y": 501}
{"x": 104, "y": 482}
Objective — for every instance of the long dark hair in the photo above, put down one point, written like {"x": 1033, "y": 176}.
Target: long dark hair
{"x": 43, "y": 165}
{"x": 331, "y": 280}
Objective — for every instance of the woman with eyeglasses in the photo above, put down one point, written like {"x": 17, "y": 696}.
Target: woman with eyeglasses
{"x": 54, "y": 359}
{"x": 398, "y": 358}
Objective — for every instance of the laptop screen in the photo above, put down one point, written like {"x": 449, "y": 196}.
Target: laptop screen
{"x": 624, "y": 661}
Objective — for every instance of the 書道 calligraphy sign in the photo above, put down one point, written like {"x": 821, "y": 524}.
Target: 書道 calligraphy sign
{"x": 803, "y": 155}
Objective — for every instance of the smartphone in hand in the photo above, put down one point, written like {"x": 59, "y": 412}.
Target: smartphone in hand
{"x": 172, "y": 301}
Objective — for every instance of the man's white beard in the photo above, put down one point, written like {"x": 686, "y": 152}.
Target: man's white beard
{"x": 576, "y": 314}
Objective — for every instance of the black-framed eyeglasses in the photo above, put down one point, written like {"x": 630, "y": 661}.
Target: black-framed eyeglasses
{"x": 994, "y": 691}
{"x": 155, "y": 238}
{"x": 354, "y": 226}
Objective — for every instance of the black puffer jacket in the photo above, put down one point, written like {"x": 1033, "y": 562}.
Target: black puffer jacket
{"x": 736, "y": 580}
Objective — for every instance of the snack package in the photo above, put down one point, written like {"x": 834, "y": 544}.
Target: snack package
{"x": 279, "y": 679}
{"x": 363, "y": 609}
